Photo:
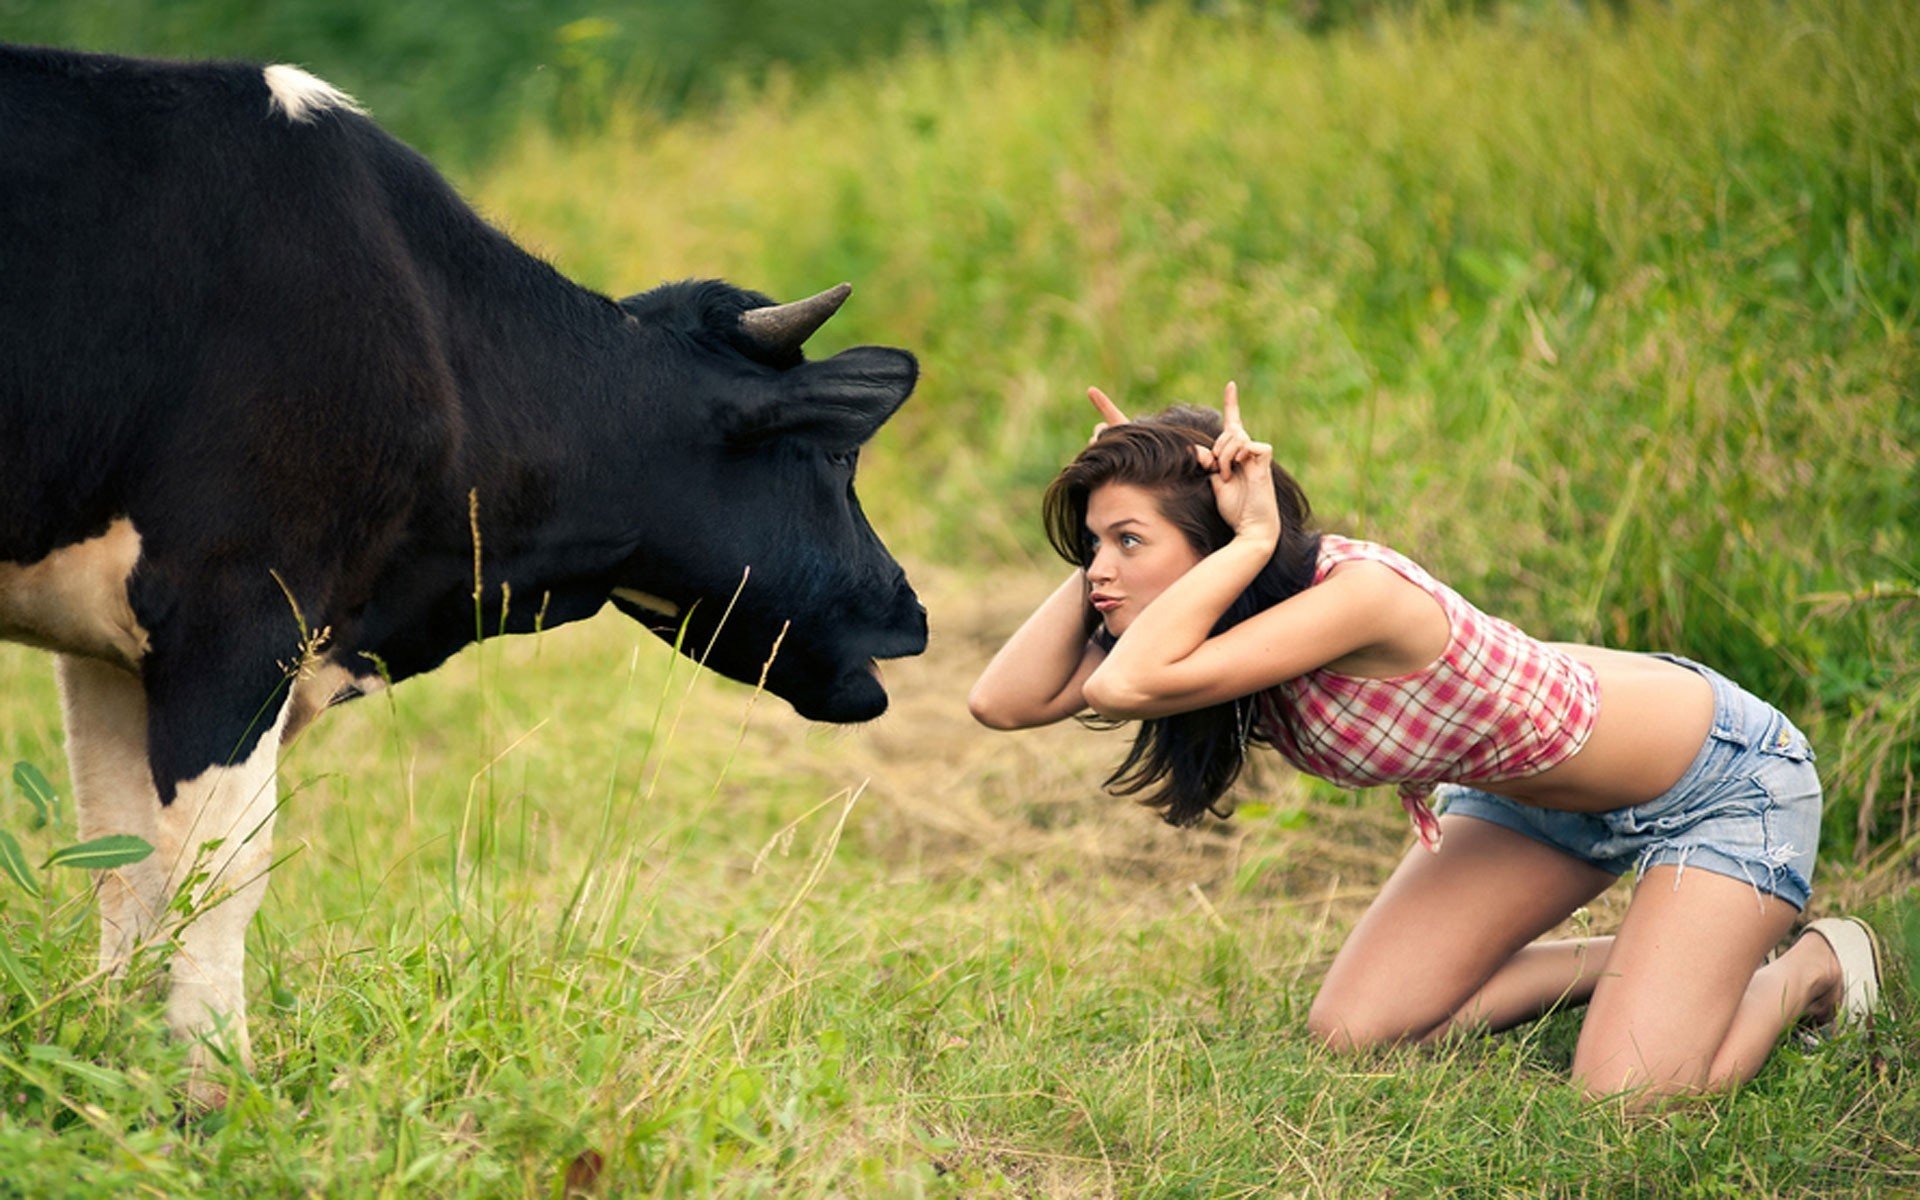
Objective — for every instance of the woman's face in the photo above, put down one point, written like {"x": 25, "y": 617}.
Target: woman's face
{"x": 1135, "y": 552}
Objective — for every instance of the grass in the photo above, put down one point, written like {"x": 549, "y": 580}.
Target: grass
{"x": 920, "y": 960}
{"x": 1609, "y": 321}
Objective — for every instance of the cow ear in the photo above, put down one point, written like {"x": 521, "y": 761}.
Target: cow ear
{"x": 838, "y": 402}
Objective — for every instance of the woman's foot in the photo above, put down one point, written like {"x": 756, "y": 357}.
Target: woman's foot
{"x": 1846, "y": 955}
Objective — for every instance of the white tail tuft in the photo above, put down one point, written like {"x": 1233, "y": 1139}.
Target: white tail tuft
{"x": 301, "y": 96}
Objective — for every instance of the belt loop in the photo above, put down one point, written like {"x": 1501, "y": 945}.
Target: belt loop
{"x": 1727, "y": 723}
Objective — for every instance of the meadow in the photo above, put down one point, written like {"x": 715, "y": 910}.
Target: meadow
{"x": 1608, "y": 317}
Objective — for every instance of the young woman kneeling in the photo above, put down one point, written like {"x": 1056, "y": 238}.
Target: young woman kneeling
{"x": 1206, "y": 607}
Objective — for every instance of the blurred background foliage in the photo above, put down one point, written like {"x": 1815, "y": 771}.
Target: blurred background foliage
{"x": 1606, "y": 311}
{"x": 454, "y": 77}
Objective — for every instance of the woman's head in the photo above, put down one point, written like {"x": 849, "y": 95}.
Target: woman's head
{"x": 1154, "y": 454}
{"x": 1133, "y": 552}
{"x": 1136, "y": 511}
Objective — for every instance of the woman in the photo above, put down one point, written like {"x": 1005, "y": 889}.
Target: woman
{"x": 1205, "y": 607}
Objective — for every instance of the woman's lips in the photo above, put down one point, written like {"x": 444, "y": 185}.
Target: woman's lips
{"x": 1106, "y": 603}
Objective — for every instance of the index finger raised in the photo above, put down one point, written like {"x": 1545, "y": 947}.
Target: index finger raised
{"x": 1232, "y": 407}
{"x": 1108, "y": 410}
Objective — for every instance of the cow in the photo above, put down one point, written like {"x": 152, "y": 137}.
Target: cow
{"x": 284, "y": 422}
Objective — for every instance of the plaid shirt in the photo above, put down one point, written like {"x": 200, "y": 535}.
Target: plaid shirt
{"x": 1495, "y": 705}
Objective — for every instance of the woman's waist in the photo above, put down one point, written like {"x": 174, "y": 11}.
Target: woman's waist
{"x": 1450, "y": 725}
{"x": 1652, "y": 725}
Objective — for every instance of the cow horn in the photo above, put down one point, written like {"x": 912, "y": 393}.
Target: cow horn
{"x": 784, "y": 328}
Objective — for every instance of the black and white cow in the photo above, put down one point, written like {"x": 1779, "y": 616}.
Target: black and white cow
{"x": 263, "y": 375}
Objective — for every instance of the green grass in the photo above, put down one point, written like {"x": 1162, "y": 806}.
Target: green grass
{"x": 1612, "y": 323}
{"x": 924, "y": 961}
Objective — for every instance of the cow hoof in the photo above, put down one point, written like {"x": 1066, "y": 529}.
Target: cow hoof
{"x": 204, "y": 1097}
{"x": 207, "y": 1092}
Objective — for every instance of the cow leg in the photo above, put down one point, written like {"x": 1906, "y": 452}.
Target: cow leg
{"x": 223, "y": 643}
{"x": 106, "y": 712}
{"x": 216, "y": 840}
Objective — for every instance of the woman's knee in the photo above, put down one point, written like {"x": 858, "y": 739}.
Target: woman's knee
{"x": 1350, "y": 1022}
{"x": 1637, "y": 1088}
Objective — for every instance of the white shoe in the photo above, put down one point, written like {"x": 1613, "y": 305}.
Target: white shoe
{"x": 1858, "y": 949}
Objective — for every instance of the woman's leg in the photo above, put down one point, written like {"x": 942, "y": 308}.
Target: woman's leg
{"x": 1802, "y": 984}
{"x": 1453, "y": 928}
{"x": 1681, "y": 1006}
{"x": 1542, "y": 976}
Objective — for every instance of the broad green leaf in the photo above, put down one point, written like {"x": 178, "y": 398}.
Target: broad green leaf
{"x": 39, "y": 792}
{"x": 104, "y": 1078}
{"x": 14, "y": 864}
{"x": 114, "y": 850}
{"x": 17, "y": 971}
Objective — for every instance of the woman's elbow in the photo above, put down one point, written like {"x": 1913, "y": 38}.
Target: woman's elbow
{"x": 990, "y": 711}
{"x": 1115, "y": 698}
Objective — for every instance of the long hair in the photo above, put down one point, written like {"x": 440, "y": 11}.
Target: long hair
{"x": 1184, "y": 762}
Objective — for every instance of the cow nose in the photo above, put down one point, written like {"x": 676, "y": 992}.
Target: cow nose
{"x": 910, "y": 616}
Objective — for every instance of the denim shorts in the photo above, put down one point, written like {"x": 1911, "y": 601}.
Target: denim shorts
{"x": 1748, "y": 807}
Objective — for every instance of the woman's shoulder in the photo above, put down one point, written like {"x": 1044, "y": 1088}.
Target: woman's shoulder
{"x": 1337, "y": 549}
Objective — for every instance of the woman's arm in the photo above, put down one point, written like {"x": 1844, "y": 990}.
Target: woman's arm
{"x": 1037, "y": 676}
{"x": 1167, "y": 663}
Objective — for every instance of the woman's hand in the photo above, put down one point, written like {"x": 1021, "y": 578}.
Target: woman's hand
{"x": 1242, "y": 477}
{"x": 1110, "y": 414}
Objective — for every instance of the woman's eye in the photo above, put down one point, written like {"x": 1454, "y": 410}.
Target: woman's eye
{"x": 1129, "y": 540}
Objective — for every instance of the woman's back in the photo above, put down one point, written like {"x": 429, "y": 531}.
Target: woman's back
{"x": 1495, "y": 704}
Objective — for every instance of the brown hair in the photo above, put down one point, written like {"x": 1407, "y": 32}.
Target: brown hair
{"x": 1189, "y": 759}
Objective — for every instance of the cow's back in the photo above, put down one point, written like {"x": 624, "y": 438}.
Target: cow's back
{"x": 194, "y": 283}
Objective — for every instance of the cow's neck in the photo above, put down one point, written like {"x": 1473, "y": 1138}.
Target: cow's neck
{"x": 545, "y": 381}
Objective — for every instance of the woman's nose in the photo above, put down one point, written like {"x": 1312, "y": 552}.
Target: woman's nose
{"x": 1100, "y": 570}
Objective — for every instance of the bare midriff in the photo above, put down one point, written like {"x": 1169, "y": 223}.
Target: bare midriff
{"x": 1654, "y": 717}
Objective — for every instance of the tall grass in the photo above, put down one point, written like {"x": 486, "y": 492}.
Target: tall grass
{"x": 1610, "y": 320}
{"x": 556, "y": 943}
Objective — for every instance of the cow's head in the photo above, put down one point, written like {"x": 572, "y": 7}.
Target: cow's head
{"x": 760, "y": 540}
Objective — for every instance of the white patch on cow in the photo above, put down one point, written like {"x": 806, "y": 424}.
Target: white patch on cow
{"x": 75, "y": 600}
{"x": 219, "y": 829}
{"x": 302, "y": 97}
{"x": 648, "y": 601}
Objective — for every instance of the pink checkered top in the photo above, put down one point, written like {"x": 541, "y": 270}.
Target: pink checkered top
{"x": 1495, "y": 705}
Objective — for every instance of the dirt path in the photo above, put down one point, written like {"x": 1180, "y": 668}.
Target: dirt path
{"x": 945, "y": 795}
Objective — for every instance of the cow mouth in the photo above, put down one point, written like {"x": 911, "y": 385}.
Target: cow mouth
{"x": 858, "y": 693}
{"x": 862, "y": 698}
{"x": 846, "y": 685}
